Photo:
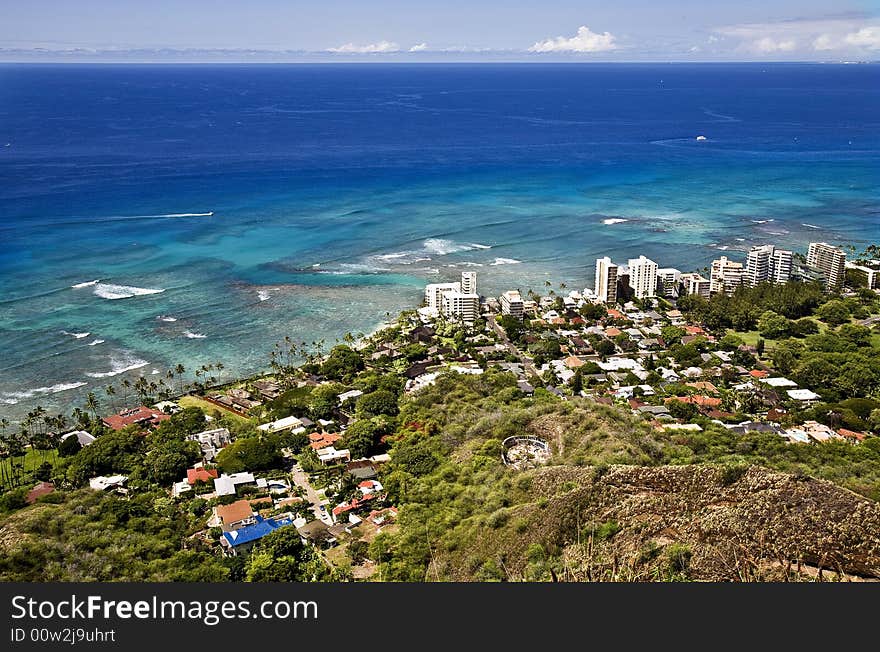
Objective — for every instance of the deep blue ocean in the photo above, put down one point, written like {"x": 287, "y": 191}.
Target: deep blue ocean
{"x": 338, "y": 191}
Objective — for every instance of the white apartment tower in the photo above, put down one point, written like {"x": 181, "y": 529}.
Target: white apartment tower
{"x": 642, "y": 277}
{"x": 696, "y": 284}
{"x": 726, "y": 276}
{"x": 606, "y": 280}
{"x": 830, "y": 260}
{"x": 434, "y": 294}
{"x": 669, "y": 279}
{"x": 469, "y": 282}
{"x": 461, "y": 306}
{"x": 512, "y": 304}
{"x": 766, "y": 263}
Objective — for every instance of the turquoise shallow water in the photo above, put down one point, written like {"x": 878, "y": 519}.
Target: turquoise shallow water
{"x": 337, "y": 192}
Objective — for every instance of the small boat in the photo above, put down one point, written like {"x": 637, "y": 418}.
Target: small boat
{"x": 701, "y": 137}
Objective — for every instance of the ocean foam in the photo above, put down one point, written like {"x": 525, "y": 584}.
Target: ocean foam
{"x": 761, "y": 221}
{"x": 477, "y": 245}
{"x": 96, "y": 342}
{"x": 11, "y": 398}
{"x": 194, "y": 336}
{"x": 263, "y": 295}
{"x": 810, "y": 226}
{"x": 505, "y": 261}
{"x": 78, "y": 336}
{"x": 166, "y": 318}
{"x": 85, "y": 284}
{"x": 614, "y": 220}
{"x": 119, "y": 365}
{"x": 111, "y": 291}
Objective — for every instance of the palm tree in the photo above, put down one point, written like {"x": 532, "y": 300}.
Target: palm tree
{"x": 126, "y": 385}
{"x": 110, "y": 390}
{"x": 92, "y": 405}
{"x": 180, "y": 370}
{"x": 219, "y": 366}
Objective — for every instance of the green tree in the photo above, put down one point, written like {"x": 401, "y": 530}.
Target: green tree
{"x": 773, "y": 326}
{"x": 251, "y": 454}
{"x": 834, "y": 312}
{"x": 379, "y": 402}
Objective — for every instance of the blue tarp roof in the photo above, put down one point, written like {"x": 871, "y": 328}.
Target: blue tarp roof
{"x": 254, "y": 532}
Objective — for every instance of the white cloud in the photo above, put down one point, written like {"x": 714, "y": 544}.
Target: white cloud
{"x": 421, "y": 47}
{"x": 584, "y": 41}
{"x": 371, "y": 48}
{"x": 768, "y": 45}
{"x": 824, "y": 42}
{"x": 696, "y": 48}
{"x": 867, "y": 37}
{"x": 820, "y": 35}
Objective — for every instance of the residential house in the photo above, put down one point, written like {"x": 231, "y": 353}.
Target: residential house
{"x": 228, "y": 485}
{"x": 140, "y": 416}
{"x": 236, "y": 542}
{"x": 234, "y": 516}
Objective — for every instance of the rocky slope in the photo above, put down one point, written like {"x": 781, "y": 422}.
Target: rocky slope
{"x": 689, "y": 522}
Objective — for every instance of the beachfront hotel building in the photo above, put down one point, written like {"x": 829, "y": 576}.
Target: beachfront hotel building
{"x": 512, "y": 304}
{"x": 725, "y": 276}
{"x": 469, "y": 282}
{"x": 642, "y": 277}
{"x": 695, "y": 284}
{"x": 606, "y": 280}
{"x": 830, "y": 260}
{"x": 434, "y": 294}
{"x": 766, "y": 263}
{"x": 668, "y": 279}
{"x": 458, "y": 301}
{"x": 461, "y": 306}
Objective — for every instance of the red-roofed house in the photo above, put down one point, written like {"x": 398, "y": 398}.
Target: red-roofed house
{"x": 354, "y": 503}
{"x": 368, "y": 487}
{"x": 694, "y": 330}
{"x": 613, "y": 332}
{"x": 319, "y": 440}
{"x": 759, "y": 373}
{"x": 851, "y": 435}
{"x": 234, "y": 515}
{"x": 140, "y": 416}
{"x": 702, "y": 401}
{"x": 615, "y": 314}
{"x": 201, "y": 474}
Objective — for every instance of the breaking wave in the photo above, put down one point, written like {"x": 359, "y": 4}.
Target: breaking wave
{"x": 11, "y": 398}
{"x": 119, "y": 365}
{"x": 505, "y": 261}
{"x": 111, "y": 291}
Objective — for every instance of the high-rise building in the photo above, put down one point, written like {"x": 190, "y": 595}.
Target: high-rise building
{"x": 606, "y": 280}
{"x": 642, "y": 277}
{"x": 726, "y": 276}
{"x": 461, "y": 306}
{"x": 668, "y": 279}
{"x": 512, "y": 304}
{"x": 469, "y": 282}
{"x": 695, "y": 284}
{"x": 766, "y": 263}
{"x": 830, "y": 260}
{"x": 434, "y": 294}
{"x": 780, "y": 266}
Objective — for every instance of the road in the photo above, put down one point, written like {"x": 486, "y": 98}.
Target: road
{"x": 301, "y": 479}
{"x": 527, "y": 364}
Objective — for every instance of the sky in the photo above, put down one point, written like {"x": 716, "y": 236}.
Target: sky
{"x": 439, "y": 30}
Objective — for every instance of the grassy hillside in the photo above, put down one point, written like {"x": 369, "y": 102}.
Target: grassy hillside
{"x": 619, "y": 499}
